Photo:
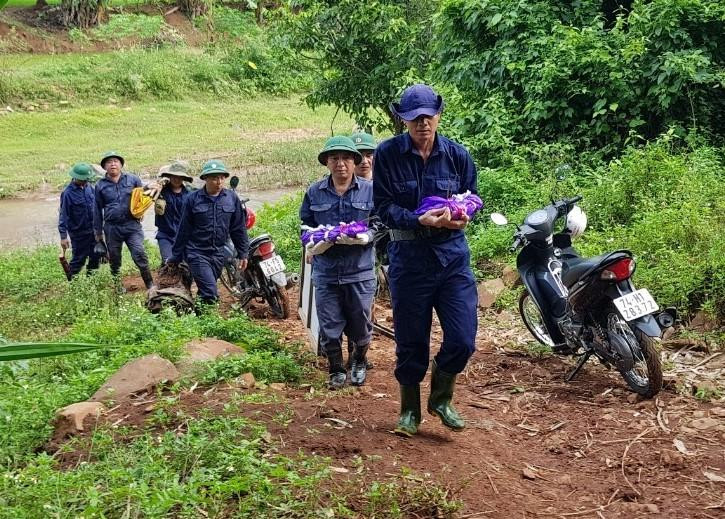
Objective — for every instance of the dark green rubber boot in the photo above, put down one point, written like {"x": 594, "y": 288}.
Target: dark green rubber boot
{"x": 409, "y": 411}
{"x": 439, "y": 401}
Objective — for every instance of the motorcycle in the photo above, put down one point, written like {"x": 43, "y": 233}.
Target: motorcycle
{"x": 264, "y": 277}
{"x": 589, "y": 304}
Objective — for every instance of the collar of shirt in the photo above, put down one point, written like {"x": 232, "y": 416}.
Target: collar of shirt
{"x": 122, "y": 180}
{"x": 330, "y": 186}
{"x": 406, "y": 145}
{"x": 202, "y": 192}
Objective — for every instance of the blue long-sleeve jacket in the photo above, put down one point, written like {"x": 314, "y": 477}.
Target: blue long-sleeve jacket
{"x": 323, "y": 206}
{"x": 168, "y": 223}
{"x": 113, "y": 201}
{"x": 402, "y": 180}
{"x": 206, "y": 224}
{"x": 75, "y": 217}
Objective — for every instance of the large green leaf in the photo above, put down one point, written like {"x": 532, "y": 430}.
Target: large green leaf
{"x": 33, "y": 350}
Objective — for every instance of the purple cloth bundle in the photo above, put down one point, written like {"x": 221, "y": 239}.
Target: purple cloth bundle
{"x": 329, "y": 233}
{"x": 465, "y": 203}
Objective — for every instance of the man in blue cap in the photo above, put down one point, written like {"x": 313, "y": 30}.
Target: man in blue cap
{"x": 210, "y": 216}
{"x": 112, "y": 216}
{"x": 343, "y": 274}
{"x": 75, "y": 218}
{"x": 429, "y": 256}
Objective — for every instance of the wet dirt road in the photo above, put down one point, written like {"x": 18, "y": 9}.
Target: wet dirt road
{"x": 32, "y": 222}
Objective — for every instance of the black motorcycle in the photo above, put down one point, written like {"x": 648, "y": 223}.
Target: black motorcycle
{"x": 264, "y": 277}
{"x": 586, "y": 306}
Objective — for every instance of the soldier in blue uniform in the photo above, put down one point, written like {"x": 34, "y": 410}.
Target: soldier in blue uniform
{"x": 209, "y": 217}
{"x": 168, "y": 206}
{"x": 75, "y": 218}
{"x": 112, "y": 216}
{"x": 343, "y": 275}
{"x": 429, "y": 256}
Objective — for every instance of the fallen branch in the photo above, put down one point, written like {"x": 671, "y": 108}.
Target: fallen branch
{"x": 702, "y": 363}
{"x": 624, "y": 457}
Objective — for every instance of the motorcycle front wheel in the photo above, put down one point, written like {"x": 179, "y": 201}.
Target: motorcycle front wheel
{"x": 645, "y": 377}
{"x": 533, "y": 320}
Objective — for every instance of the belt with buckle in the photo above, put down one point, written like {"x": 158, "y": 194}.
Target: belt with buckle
{"x": 426, "y": 233}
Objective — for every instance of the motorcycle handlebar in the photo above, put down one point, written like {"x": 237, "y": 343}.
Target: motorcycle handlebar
{"x": 515, "y": 244}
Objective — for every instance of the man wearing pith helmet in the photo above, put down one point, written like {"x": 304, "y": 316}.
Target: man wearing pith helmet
{"x": 429, "y": 256}
{"x": 209, "y": 217}
{"x": 365, "y": 144}
{"x": 169, "y": 204}
{"x": 113, "y": 218}
{"x": 343, "y": 274}
{"x": 75, "y": 218}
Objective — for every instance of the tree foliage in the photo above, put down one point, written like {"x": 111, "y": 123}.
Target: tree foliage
{"x": 365, "y": 52}
{"x": 553, "y": 69}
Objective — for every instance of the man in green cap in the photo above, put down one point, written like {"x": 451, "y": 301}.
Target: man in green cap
{"x": 365, "y": 144}
{"x": 343, "y": 274}
{"x": 113, "y": 218}
{"x": 169, "y": 205}
{"x": 210, "y": 216}
{"x": 75, "y": 218}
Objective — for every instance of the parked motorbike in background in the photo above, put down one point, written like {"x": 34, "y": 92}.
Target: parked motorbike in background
{"x": 264, "y": 277}
{"x": 586, "y": 306}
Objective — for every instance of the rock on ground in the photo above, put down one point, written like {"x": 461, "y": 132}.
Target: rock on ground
{"x": 70, "y": 419}
{"x": 139, "y": 375}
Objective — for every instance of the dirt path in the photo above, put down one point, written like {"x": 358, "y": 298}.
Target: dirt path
{"x": 534, "y": 445}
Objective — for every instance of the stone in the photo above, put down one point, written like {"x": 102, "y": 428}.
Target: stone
{"x": 488, "y": 291}
{"x": 246, "y": 380}
{"x": 70, "y": 418}
{"x": 205, "y": 350}
{"x": 633, "y": 398}
{"x": 509, "y": 276}
{"x": 702, "y": 322}
{"x": 139, "y": 375}
{"x": 703, "y": 424}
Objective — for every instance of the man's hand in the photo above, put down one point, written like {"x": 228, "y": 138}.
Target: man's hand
{"x": 64, "y": 244}
{"x": 360, "y": 239}
{"x": 441, "y": 219}
{"x": 99, "y": 237}
{"x": 243, "y": 264}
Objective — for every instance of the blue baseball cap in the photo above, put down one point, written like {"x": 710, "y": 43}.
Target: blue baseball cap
{"x": 417, "y": 100}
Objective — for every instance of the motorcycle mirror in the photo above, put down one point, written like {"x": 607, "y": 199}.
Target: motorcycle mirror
{"x": 234, "y": 182}
{"x": 499, "y": 219}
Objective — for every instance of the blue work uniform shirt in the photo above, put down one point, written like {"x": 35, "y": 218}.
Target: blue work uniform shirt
{"x": 402, "y": 180}
{"x": 113, "y": 201}
{"x": 322, "y": 205}
{"x": 75, "y": 217}
{"x": 168, "y": 223}
{"x": 207, "y": 222}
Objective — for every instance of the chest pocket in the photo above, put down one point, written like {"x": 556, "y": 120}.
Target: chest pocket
{"x": 446, "y": 187}
{"x": 406, "y": 193}
{"x": 361, "y": 210}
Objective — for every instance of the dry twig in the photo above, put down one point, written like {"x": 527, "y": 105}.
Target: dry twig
{"x": 624, "y": 457}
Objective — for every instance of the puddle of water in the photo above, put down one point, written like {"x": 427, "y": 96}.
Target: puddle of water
{"x": 30, "y": 223}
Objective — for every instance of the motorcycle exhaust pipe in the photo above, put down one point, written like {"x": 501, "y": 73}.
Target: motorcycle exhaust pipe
{"x": 293, "y": 278}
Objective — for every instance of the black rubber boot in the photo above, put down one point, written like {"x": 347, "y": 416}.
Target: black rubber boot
{"x": 439, "y": 401}
{"x": 148, "y": 278}
{"x": 338, "y": 375}
{"x": 410, "y": 416}
{"x": 358, "y": 370}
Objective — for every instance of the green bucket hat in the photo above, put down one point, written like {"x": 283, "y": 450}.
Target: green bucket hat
{"x": 213, "y": 167}
{"x": 339, "y": 143}
{"x": 176, "y": 169}
{"x": 82, "y": 171}
{"x": 364, "y": 141}
{"x": 109, "y": 155}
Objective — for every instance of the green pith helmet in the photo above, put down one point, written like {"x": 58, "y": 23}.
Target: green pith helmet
{"x": 213, "y": 167}
{"x": 339, "y": 143}
{"x": 111, "y": 154}
{"x": 82, "y": 171}
{"x": 364, "y": 141}
{"x": 176, "y": 169}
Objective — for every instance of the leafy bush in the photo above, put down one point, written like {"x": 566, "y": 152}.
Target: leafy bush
{"x": 282, "y": 222}
{"x": 128, "y": 25}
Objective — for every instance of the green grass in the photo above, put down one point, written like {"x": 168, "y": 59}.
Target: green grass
{"x": 269, "y": 142}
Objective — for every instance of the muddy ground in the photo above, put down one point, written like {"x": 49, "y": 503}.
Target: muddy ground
{"x": 534, "y": 445}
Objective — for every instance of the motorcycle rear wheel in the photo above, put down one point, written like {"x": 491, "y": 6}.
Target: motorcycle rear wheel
{"x": 228, "y": 278}
{"x": 278, "y": 300}
{"x": 533, "y": 320}
{"x": 645, "y": 377}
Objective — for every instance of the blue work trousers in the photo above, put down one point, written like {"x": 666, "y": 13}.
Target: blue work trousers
{"x": 344, "y": 308}
{"x": 416, "y": 289}
{"x": 131, "y": 234}
{"x": 82, "y": 247}
{"x": 165, "y": 247}
{"x": 206, "y": 271}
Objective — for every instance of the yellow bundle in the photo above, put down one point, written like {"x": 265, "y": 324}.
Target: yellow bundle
{"x": 140, "y": 201}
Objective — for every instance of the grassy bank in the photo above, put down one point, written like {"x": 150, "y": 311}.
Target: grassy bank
{"x": 269, "y": 142}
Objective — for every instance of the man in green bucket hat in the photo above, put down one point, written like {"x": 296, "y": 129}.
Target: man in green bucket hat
{"x": 75, "y": 218}
{"x": 365, "y": 144}
{"x": 210, "y": 216}
{"x": 169, "y": 204}
{"x": 343, "y": 274}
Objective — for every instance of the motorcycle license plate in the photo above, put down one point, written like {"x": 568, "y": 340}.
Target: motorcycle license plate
{"x": 634, "y": 305}
{"x": 271, "y": 266}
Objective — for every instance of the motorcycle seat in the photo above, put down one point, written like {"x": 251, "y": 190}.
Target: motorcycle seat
{"x": 578, "y": 268}
{"x": 257, "y": 240}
